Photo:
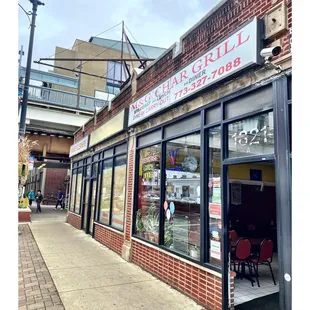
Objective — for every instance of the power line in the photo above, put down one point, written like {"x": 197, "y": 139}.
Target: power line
{"x": 25, "y": 12}
{"x": 137, "y": 42}
{"x": 66, "y": 49}
{"x": 98, "y": 54}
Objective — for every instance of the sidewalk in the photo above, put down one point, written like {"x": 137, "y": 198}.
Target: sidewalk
{"x": 36, "y": 289}
{"x": 89, "y": 276}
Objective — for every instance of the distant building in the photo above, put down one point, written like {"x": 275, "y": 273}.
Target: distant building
{"x": 101, "y": 48}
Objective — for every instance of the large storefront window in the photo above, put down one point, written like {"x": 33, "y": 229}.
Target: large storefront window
{"x": 147, "y": 216}
{"x": 119, "y": 192}
{"x": 106, "y": 187}
{"x": 215, "y": 202}
{"x": 182, "y": 196}
{"x": 78, "y": 190}
{"x": 113, "y": 187}
{"x": 251, "y": 136}
{"x": 73, "y": 183}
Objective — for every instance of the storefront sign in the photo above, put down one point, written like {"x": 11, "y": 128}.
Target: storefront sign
{"x": 108, "y": 129}
{"x": 237, "y": 52}
{"x": 216, "y": 249}
{"x": 79, "y": 147}
{"x": 215, "y": 210}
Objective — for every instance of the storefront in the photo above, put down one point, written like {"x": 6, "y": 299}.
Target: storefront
{"x": 157, "y": 187}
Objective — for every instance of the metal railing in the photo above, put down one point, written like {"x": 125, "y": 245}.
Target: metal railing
{"x": 63, "y": 98}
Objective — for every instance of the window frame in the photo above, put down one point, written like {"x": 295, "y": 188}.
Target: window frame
{"x": 101, "y": 160}
{"x": 204, "y": 153}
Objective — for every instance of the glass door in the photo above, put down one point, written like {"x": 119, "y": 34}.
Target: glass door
{"x": 92, "y": 207}
{"x": 86, "y": 205}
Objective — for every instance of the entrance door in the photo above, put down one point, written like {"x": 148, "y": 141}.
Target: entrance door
{"x": 92, "y": 207}
{"x": 252, "y": 215}
{"x": 86, "y": 205}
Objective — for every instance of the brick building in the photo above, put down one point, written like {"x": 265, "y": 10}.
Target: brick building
{"x": 195, "y": 153}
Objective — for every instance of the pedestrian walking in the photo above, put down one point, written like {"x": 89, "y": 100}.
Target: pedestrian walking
{"x": 60, "y": 197}
{"x": 39, "y": 198}
{"x": 31, "y": 197}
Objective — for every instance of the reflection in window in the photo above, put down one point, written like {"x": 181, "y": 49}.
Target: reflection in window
{"x": 147, "y": 216}
{"x": 214, "y": 186}
{"x": 106, "y": 191}
{"x": 251, "y": 136}
{"x": 290, "y": 124}
{"x": 119, "y": 192}
{"x": 78, "y": 190}
{"x": 73, "y": 182}
{"x": 182, "y": 192}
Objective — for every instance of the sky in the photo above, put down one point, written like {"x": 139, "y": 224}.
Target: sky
{"x": 152, "y": 22}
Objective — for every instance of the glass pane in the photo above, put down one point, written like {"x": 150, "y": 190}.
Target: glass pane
{"x": 88, "y": 170}
{"x": 95, "y": 169}
{"x": 251, "y": 136}
{"x": 247, "y": 103}
{"x": 121, "y": 148}
{"x": 93, "y": 202}
{"x": 152, "y": 137}
{"x": 213, "y": 115}
{"x": 106, "y": 191}
{"x": 73, "y": 182}
{"x": 147, "y": 216}
{"x": 290, "y": 124}
{"x": 108, "y": 153}
{"x": 117, "y": 69}
{"x": 214, "y": 185}
{"x": 78, "y": 191}
{"x": 119, "y": 192}
{"x": 182, "y": 192}
{"x": 110, "y": 73}
{"x": 186, "y": 125}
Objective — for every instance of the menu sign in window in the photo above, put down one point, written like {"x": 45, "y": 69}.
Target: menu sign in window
{"x": 237, "y": 52}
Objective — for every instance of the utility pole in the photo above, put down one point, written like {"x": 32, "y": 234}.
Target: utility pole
{"x": 22, "y": 124}
{"x": 21, "y": 54}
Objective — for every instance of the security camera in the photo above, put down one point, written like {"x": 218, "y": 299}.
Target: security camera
{"x": 270, "y": 52}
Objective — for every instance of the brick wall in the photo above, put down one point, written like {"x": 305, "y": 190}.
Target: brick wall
{"x": 109, "y": 238}
{"x": 54, "y": 181}
{"x": 196, "y": 282}
{"x": 74, "y": 220}
{"x": 213, "y": 29}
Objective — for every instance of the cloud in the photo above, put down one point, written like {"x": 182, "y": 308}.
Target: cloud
{"x": 152, "y": 22}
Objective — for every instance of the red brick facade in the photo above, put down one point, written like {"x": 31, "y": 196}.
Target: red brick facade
{"x": 194, "y": 281}
{"x": 200, "y": 283}
{"x": 54, "y": 181}
{"x": 74, "y": 220}
{"x": 24, "y": 216}
{"x": 111, "y": 239}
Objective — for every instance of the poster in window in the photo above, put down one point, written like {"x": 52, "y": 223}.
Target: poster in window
{"x": 216, "y": 249}
{"x": 236, "y": 190}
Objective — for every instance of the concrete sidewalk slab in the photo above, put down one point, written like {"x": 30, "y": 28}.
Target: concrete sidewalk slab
{"x": 88, "y": 275}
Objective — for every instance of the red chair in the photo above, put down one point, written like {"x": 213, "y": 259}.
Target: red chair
{"x": 263, "y": 258}
{"x": 241, "y": 256}
{"x": 233, "y": 235}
